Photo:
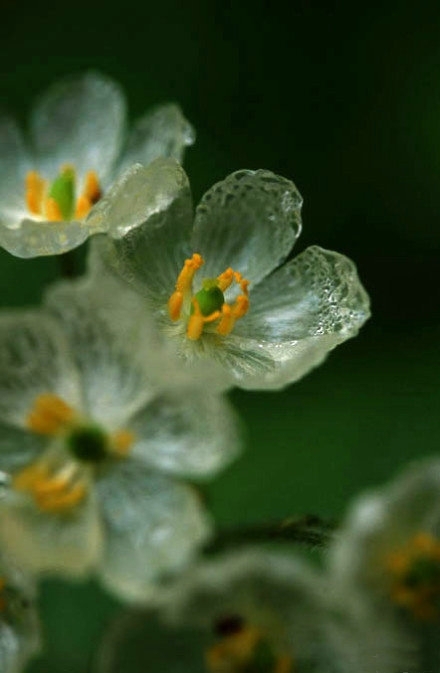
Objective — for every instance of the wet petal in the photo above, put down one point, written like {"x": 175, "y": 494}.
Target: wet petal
{"x": 162, "y": 132}
{"x": 158, "y": 520}
{"x": 80, "y": 120}
{"x": 188, "y": 433}
{"x": 317, "y": 293}
{"x": 18, "y": 447}
{"x": 13, "y": 167}
{"x": 249, "y": 222}
{"x": 148, "y": 212}
{"x": 34, "y": 238}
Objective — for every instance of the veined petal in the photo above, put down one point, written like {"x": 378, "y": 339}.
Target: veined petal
{"x": 34, "y": 359}
{"x": 149, "y": 214}
{"x": 188, "y": 432}
{"x": 103, "y": 342}
{"x": 66, "y": 544}
{"x": 18, "y": 447}
{"x": 153, "y": 526}
{"x": 317, "y": 293}
{"x": 33, "y": 238}
{"x": 80, "y": 121}
{"x": 161, "y": 132}
{"x": 249, "y": 222}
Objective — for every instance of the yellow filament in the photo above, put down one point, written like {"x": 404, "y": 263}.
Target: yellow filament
{"x": 38, "y": 203}
{"x": 50, "y": 415}
{"x": 53, "y": 492}
{"x": 228, "y": 314}
{"x": 420, "y": 599}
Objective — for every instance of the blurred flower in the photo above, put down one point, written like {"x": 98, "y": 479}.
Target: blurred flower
{"x": 97, "y": 444}
{"x": 385, "y": 572}
{"x": 78, "y": 146}
{"x": 246, "y": 612}
{"x": 19, "y": 629}
{"x": 214, "y": 285}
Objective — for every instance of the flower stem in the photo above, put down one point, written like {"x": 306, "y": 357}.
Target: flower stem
{"x": 309, "y": 530}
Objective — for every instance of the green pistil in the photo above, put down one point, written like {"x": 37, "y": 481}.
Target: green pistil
{"x": 210, "y": 298}
{"x": 62, "y": 190}
{"x": 89, "y": 444}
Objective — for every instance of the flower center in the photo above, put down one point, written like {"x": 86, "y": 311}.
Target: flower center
{"x": 207, "y": 306}
{"x": 415, "y": 570}
{"x": 243, "y": 648}
{"x": 57, "y": 485}
{"x": 57, "y": 201}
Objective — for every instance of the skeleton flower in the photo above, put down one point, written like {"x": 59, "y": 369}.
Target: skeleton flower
{"x": 97, "y": 445}
{"x": 19, "y": 631}
{"x": 247, "y": 612}
{"x": 78, "y": 146}
{"x": 385, "y": 572}
{"x": 213, "y": 283}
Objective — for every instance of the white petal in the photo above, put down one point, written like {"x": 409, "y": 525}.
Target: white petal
{"x": 13, "y": 167}
{"x": 161, "y": 132}
{"x": 34, "y": 359}
{"x": 317, "y": 293}
{"x": 18, "y": 447}
{"x": 46, "y": 542}
{"x": 189, "y": 432}
{"x": 249, "y": 222}
{"x": 34, "y": 238}
{"x": 148, "y": 212}
{"x": 80, "y": 120}
{"x": 152, "y": 526}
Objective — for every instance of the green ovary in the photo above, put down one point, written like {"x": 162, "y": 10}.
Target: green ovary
{"x": 62, "y": 190}
{"x": 210, "y": 298}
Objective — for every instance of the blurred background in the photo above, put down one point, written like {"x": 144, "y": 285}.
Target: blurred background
{"x": 346, "y": 102}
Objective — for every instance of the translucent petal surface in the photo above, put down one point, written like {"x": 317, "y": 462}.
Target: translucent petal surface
{"x": 34, "y": 238}
{"x": 189, "y": 433}
{"x": 46, "y": 542}
{"x": 159, "y": 521}
{"x": 162, "y": 132}
{"x": 13, "y": 166}
{"x": 113, "y": 384}
{"x": 80, "y": 120}
{"x": 149, "y": 256}
{"x": 249, "y": 222}
{"x": 34, "y": 359}
{"x": 18, "y": 447}
{"x": 315, "y": 294}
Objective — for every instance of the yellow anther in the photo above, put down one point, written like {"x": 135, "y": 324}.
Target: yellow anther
{"x": 184, "y": 285}
{"x": 121, "y": 442}
{"x": 92, "y": 189}
{"x": 35, "y": 188}
{"x": 52, "y": 210}
{"x": 52, "y": 492}
{"x": 83, "y": 206}
{"x": 197, "y": 321}
{"x": 175, "y": 303}
{"x": 49, "y": 415}
{"x": 225, "y": 279}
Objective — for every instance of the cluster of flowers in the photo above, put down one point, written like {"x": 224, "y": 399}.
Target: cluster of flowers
{"x": 112, "y": 405}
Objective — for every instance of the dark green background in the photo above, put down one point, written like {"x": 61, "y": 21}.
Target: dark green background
{"x": 346, "y": 102}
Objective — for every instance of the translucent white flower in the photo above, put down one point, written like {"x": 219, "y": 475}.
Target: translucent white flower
{"x": 19, "y": 629}
{"x": 97, "y": 445}
{"x": 78, "y": 146}
{"x": 385, "y": 573}
{"x": 247, "y": 612}
{"x": 213, "y": 282}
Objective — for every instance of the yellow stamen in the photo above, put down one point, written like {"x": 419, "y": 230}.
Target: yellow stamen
{"x": 53, "y": 211}
{"x": 183, "y": 297}
{"x": 121, "y": 443}
{"x": 52, "y": 492}
{"x": 39, "y": 203}
{"x": 49, "y": 415}
{"x": 415, "y": 569}
{"x": 35, "y": 188}
{"x": 233, "y": 651}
